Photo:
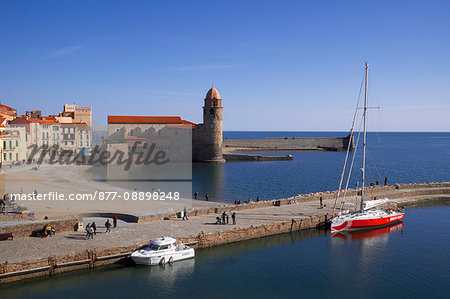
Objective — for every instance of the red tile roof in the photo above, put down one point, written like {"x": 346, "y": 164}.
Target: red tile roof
{"x": 48, "y": 122}
{"x": 115, "y": 119}
{"x": 7, "y": 107}
{"x": 19, "y": 121}
{"x": 33, "y": 120}
{"x": 184, "y": 125}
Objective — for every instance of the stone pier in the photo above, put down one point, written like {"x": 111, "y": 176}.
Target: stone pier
{"x": 26, "y": 257}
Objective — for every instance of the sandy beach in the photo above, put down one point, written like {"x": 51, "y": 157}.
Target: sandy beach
{"x": 83, "y": 193}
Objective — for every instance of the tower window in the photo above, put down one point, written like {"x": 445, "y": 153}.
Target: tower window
{"x": 211, "y": 111}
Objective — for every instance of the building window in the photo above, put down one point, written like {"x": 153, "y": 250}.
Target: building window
{"x": 211, "y": 111}
{"x": 81, "y": 143}
{"x": 87, "y": 143}
{"x": 55, "y": 128}
{"x": 4, "y": 156}
{"x": 10, "y": 145}
{"x": 4, "y": 145}
{"x": 17, "y": 143}
{"x": 10, "y": 156}
{"x": 87, "y": 136}
{"x": 17, "y": 156}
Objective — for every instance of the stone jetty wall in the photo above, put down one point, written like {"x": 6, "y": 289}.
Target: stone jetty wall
{"x": 241, "y": 157}
{"x": 289, "y": 143}
{"x": 95, "y": 258}
{"x": 25, "y": 228}
{"x": 405, "y": 195}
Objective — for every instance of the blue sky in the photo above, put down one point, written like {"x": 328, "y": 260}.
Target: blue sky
{"x": 278, "y": 65}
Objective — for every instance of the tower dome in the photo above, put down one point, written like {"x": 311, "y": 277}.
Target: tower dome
{"x": 212, "y": 94}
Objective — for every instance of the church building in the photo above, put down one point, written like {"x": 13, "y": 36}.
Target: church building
{"x": 206, "y": 137}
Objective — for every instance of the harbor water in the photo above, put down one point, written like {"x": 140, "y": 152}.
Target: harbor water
{"x": 407, "y": 260}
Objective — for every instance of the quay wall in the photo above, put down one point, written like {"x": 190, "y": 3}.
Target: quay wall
{"x": 25, "y": 228}
{"x": 408, "y": 195}
{"x": 241, "y": 157}
{"x": 10, "y": 272}
{"x": 66, "y": 223}
{"x": 290, "y": 143}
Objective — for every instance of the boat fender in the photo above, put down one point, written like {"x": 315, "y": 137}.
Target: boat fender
{"x": 162, "y": 261}
{"x": 171, "y": 260}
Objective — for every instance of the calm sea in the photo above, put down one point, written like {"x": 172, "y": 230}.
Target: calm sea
{"x": 407, "y": 261}
{"x": 401, "y": 157}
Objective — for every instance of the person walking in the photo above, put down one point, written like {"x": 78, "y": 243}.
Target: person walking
{"x": 207, "y": 196}
{"x": 233, "y": 217}
{"x": 321, "y": 202}
{"x": 88, "y": 230}
{"x": 195, "y": 194}
{"x": 385, "y": 181}
{"x": 108, "y": 226}
{"x": 115, "y": 221}
{"x": 94, "y": 228}
{"x": 223, "y": 217}
{"x": 185, "y": 214}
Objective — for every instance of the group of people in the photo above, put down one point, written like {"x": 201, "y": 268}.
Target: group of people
{"x": 225, "y": 218}
{"x": 239, "y": 202}
{"x": 91, "y": 228}
{"x": 196, "y": 196}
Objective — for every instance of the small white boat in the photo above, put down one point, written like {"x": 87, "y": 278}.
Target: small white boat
{"x": 161, "y": 251}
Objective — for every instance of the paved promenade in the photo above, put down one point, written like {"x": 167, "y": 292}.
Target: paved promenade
{"x": 137, "y": 234}
{"x": 129, "y": 234}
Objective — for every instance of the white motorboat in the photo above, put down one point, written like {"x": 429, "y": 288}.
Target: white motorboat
{"x": 161, "y": 251}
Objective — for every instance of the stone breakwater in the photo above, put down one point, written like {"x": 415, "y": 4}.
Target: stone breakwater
{"x": 253, "y": 158}
{"x": 26, "y": 257}
{"x": 290, "y": 143}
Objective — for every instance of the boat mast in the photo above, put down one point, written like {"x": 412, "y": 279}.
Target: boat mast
{"x": 364, "y": 139}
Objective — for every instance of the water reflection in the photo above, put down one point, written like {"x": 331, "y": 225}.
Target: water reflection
{"x": 165, "y": 276}
{"x": 208, "y": 178}
{"x": 368, "y": 237}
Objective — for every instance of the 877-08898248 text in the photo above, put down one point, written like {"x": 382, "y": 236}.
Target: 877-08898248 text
{"x": 98, "y": 195}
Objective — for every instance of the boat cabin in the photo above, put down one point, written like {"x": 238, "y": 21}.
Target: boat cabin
{"x": 162, "y": 243}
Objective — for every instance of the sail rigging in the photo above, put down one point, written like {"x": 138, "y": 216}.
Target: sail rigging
{"x": 369, "y": 214}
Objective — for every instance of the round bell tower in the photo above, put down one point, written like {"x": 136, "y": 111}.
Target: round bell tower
{"x": 212, "y": 127}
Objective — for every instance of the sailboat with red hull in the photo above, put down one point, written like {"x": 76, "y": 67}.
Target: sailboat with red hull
{"x": 369, "y": 215}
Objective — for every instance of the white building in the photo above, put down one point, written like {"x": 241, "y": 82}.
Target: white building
{"x": 13, "y": 146}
